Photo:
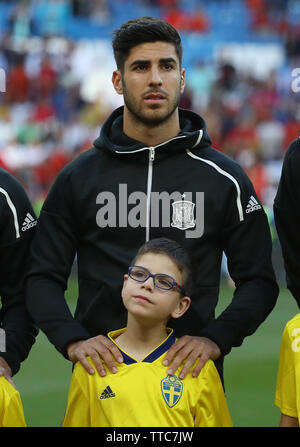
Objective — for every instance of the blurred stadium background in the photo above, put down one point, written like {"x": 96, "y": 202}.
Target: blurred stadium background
{"x": 55, "y": 92}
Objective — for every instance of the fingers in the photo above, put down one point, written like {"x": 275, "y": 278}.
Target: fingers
{"x": 175, "y": 348}
{"x": 188, "y": 349}
{"x": 81, "y": 356}
{"x": 111, "y": 347}
{"x": 5, "y": 371}
{"x": 7, "y": 377}
{"x": 203, "y": 357}
{"x": 105, "y": 352}
{"x": 101, "y": 350}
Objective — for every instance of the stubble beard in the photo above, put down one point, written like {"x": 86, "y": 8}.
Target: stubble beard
{"x": 151, "y": 119}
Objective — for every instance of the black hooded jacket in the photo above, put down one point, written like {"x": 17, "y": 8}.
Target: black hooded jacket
{"x": 106, "y": 203}
{"x": 17, "y": 225}
{"x": 287, "y": 217}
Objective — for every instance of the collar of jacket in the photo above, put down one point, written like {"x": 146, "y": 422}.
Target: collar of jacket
{"x": 193, "y": 134}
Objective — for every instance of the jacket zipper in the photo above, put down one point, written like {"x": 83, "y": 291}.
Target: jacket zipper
{"x": 150, "y": 173}
{"x": 149, "y": 189}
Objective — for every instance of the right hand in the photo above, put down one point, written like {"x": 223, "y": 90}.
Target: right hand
{"x": 5, "y": 371}
{"x": 100, "y": 349}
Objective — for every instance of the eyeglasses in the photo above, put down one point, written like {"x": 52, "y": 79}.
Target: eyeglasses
{"x": 160, "y": 280}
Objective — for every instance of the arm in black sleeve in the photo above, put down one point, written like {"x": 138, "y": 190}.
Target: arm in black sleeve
{"x": 16, "y": 231}
{"x": 287, "y": 217}
{"x": 52, "y": 255}
{"x": 248, "y": 247}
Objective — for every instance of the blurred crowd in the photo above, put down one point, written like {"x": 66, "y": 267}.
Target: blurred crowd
{"x": 56, "y": 92}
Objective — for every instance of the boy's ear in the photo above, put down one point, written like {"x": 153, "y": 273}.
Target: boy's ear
{"x": 125, "y": 278}
{"x": 182, "y": 307}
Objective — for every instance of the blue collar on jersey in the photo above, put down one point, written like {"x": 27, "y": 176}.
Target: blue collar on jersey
{"x": 160, "y": 350}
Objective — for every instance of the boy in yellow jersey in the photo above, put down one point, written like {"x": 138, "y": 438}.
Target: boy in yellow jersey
{"x": 11, "y": 408}
{"x": 141, "y": 393}
{"x": 287, "y": 396}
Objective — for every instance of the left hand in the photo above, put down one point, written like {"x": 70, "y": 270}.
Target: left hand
{"x": 190, "y": 348}
{"x": 5, "y": 371}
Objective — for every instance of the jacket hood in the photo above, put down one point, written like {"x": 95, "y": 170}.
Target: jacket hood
{"x": 193, "y": 133}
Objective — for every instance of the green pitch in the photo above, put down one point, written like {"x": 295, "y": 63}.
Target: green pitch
{"x": 250, "y": 372}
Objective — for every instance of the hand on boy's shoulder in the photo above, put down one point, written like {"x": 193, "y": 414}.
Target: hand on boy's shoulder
{"x": 5, "y": 371}
{"x": 100, "y": 349}
{"x": 190, "y": 348}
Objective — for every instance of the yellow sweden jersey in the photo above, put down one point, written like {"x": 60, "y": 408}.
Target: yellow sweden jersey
{"x": 141, "y": 394}
{"x": 11, "y": 408}
{"x": 287, "y": 396}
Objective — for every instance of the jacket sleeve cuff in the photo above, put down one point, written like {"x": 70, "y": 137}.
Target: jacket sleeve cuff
{"x": 67, "y": 334}
{"x": 12, "y": 362}
{"x": 220, "y": 335}
{"x": 64, "y": 348}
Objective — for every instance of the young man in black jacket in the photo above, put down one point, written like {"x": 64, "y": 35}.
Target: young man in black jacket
{"x": 17, "y": 225}
{"x": 287, "y": 220}
{"x": 287, "y": 217}
{"x": 151, "y": 173}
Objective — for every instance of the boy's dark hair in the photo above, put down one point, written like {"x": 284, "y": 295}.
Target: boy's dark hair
{"x": 175, "y": 252}
{"x": 143, "y": 30}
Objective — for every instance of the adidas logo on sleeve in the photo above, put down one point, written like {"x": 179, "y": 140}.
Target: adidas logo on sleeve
{"x": 253, "y": 205}
{"x": 107, "y": 393}
{"x": 29, "y": 222}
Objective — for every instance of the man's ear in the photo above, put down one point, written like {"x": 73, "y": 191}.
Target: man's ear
{"x": 182, "y": 307}
{"x": 182, "y": 80}
{"x": 117, "y": 82}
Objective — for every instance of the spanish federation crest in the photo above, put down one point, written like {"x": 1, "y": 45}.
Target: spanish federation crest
{"x": 183, "y": 214}
{"x": 171, "y": 388}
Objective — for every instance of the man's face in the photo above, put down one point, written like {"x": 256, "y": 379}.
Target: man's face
{"x": 151, "y": 82}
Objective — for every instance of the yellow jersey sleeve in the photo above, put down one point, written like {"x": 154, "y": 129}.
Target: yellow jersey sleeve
{"x": 287, "y": 396}
{"x": 11, "y": 408}
{"x": 212, "y": 409}
{"x": 78, "y": 407}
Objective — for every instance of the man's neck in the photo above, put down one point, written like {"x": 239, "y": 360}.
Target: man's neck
{"x": 140, "y": 339}
{"x": 150, "y": 135}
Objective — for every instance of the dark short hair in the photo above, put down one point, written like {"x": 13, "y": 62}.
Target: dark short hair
{"x": 143, "y": 30}
{"x": 175, "y": 252}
